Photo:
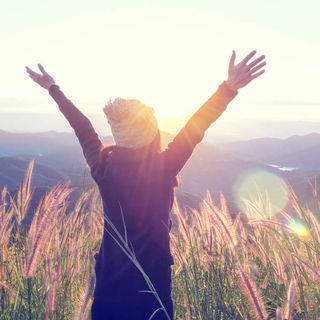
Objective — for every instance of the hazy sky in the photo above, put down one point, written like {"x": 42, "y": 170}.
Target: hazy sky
{"x": 169, "y": 54}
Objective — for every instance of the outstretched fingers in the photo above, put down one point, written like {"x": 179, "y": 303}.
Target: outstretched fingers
{"x": 257, "y": 74}
{"x": 33, "y": 75}
{"x": 31, "y": 72}
{"x": 241, "y": 74}
{"x": 43, "y": 78}
{"x": 255, "y": 62}
{"x": 247, "y": 58}
{"x": 258, "y": 67}
{"x": 41, "y": 68}
{"x": 253, "y": 69}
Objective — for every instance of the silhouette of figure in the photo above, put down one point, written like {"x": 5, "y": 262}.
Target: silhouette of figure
{"x": 136, "y": 180}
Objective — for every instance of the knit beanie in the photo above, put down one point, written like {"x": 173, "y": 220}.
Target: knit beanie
{"x": 132, "y": 123}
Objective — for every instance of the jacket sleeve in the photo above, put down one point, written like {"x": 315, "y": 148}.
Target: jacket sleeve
{"x": 88, "y": 138}
{"x": 182, "y": 146}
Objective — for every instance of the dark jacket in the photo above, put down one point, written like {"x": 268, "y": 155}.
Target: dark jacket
{"x": 137, "y": 193}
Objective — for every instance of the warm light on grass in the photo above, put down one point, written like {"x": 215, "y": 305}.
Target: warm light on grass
{"x": 298, "y": 228}
{"x": 260, "y": 194}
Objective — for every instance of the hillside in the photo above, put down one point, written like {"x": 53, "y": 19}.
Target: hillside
{"x": 307, "y": 159}
{"x": 59, "y": 156}
{"x": 12, "y": 170}
{"x": 57, "y": 149}
{"x": 293, "y": 151}
{"x": 210, "y": 168}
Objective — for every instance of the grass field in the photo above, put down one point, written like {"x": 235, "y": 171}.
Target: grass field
{"x": 225, "y": 268}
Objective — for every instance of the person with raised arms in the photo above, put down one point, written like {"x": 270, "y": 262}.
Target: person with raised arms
{"x": 136, "y": 180}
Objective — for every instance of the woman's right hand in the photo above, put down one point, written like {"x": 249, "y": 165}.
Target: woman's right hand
{"x": 44, "y": 79}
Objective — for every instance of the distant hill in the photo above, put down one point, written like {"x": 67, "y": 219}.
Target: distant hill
{"x": 52, "y": 148}
{"x": 211, "y": 168}
{"x": 307, "y": 159}
{"x": 224, "y": 130}
{"x": 33, "y": 143}
{"x": 297, "y": 151}
{"x": 12, "y": 171}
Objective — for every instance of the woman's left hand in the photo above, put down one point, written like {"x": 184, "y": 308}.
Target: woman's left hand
{"x": 44, "y": 79}
{"x": 243, "y": 73}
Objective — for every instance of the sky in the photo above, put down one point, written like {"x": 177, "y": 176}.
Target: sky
{"x": 171, "y": 55}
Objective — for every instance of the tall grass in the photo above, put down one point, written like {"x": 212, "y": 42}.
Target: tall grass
{"x": 225, "y": 267}
{"x": 46, "y": 268}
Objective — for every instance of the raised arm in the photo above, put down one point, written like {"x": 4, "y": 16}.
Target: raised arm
{"x": 88, "y": 138}
{"x": 181, "y": 148}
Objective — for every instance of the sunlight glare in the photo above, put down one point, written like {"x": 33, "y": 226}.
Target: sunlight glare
{"x": 260, "y": 194}
{"x": 298, "y": 228}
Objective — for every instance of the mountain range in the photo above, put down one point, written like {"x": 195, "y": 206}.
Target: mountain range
{"x": 216, "y": 168}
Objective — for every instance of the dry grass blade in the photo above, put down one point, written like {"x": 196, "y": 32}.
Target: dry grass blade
{"x": 291, "y": 299}
{"x": 49, "y": 209}
{"x": 23, "y": 196}
{"x": 5, "y": 227}
{"x": 253, "y": 296}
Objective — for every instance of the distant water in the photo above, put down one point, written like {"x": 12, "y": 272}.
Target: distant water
{"x": 282, "y": 168}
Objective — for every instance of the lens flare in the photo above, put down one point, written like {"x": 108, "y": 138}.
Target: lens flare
{"x": 260, "y": 194}
{"x": 298, "y": 228}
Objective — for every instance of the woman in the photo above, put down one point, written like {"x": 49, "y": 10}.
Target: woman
{"x": 136, "y": 182}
